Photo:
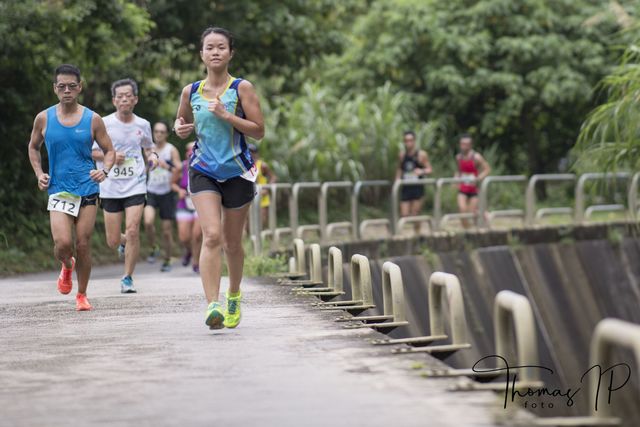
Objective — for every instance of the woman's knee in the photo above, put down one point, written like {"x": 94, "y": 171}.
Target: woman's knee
{"x": 233, "y": 246}
{"x": 211, "y": 238}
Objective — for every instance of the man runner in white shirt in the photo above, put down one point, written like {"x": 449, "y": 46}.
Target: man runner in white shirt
{"x": 125, "y": 188}
{"x": 160, "y": 196}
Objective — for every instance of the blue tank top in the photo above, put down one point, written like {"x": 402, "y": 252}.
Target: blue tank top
{"x": 69, "y": 150}
{"x": 221, "y": 150}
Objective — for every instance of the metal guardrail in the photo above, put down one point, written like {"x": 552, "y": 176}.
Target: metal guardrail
{"x": 437, "y": 203}
{"x": 255, "y": 224}
{"x": 358, "y": 227}
{"x": 515, "y": 335}
{"x": 609, "y": 333}
{"x": 315, "y": 270}
{"x": 325, "y": 227}
{"x": 393, "y": 303}
{"x": 579, "y": 213}
{"x": 274, "y": 232}
{"x": 442, "y": 286}
{"x": 634, "y": 206}
{"x": 335, "y": 284}
{"x": 483, "y": 202}
{"x": 294, "y": 208}
{"x": 297, "y": 263}
{"x": 361, "y": 288}
{"x": 515, "y": 330}
{"x": 531, "y": 213}
{"x": 395, "y": 199}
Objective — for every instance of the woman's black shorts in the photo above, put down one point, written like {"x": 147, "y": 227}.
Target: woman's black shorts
{"x": 235, "y": 192}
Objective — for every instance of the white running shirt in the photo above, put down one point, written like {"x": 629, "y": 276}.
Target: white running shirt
{"x": 129, "y": 178}
{"x": 160, "y": 178}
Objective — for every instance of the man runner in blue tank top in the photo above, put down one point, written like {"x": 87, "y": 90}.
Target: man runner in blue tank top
{"x": 68, "y": 130}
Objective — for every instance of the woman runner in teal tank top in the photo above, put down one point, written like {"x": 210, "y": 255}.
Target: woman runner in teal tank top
{"x": 222, "y": 110}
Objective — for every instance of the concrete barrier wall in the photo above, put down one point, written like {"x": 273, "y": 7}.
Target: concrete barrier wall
{"x": 571, "y": 284}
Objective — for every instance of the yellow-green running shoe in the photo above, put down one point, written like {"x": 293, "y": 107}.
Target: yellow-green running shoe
{"x": 215, "y": 316}
{"x": 232, "y": 314}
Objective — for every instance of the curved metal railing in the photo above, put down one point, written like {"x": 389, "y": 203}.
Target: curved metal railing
{"x": 529, "y": 215}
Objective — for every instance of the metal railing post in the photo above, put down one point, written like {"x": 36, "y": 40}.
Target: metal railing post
{"x": 579, "y": 214}
{"x": 361, "y": 287}
{"x": 355, "y": 203}
{"x": 609, "y": 333}
{"x": 323, "y": 204}
{"x": 393, "y": 303}
{"x": 437, "y": 204}
{"x": 335, "y": 285}
{"x": 395, "y": 199}
{"x": 255, "y": 222}
{"x": 512, "y": 312}
{"x": 273, "y": 212}
{"x": 530, "y": 195}
{"x": 633, "y": 196}
{"x": 483, "y": 202}
{"x": 442, "y": 287}
{"x": 395, "y": 205}
{"x": 294, "y": 206}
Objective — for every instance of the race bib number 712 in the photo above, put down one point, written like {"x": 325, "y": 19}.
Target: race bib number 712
{"x": 64, "y": 202}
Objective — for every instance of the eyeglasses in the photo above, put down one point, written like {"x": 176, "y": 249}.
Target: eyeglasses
{"x": 64, "y": 86}
{"x": 124, "y": 95}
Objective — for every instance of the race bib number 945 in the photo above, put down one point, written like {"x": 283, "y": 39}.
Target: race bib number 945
{"x": 64, "y": 202}
{"x": 126, "y": 170}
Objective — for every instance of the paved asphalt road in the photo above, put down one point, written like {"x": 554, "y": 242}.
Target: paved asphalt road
{"x": 149, "y": 360}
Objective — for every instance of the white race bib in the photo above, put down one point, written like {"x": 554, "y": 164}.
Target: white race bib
{"x": 189, "y": 203}
{"x": 126, "y": 170}
{"x": 468, "y": 177}
{"x": 410, "y": 176}
{"x": 159, "y": 177}
{"x": 64, "y": 202}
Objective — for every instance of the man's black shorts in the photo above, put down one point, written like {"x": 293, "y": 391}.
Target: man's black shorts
{"x": 235, "y": 192}
{"x": 165, "y": 203}
{"x": 411, "y": 192}
{"x": 119, "y": 205}
{"x": 89, "y": 200}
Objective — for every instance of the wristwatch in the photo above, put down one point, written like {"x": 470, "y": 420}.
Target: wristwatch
{"x": 105, "y": 172}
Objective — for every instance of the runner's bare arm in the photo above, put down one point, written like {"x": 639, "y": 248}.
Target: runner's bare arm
{"x": 423, "y": 157}
{"x": 175, "y": 159}
{"x": 35, "y": 145}
{"x": 484, "y": 165}
{"x": 253, "y": 123}
{"x": 183, "y": 126}
{"x": 103, "y": 140}
{"x": 97, "y": 155}
{"x": 266, "y": 171}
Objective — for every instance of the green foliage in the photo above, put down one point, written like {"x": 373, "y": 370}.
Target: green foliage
{"x": 259, "y": 266}
{"x": 318, "y": 135}
{"x": 610, "y": 137}
{"x": 339, "y": 82}
{"x": 516, "y": 74}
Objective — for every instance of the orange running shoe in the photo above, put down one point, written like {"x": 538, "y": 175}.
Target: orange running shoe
{"x": 82, "y": 303}
{"x": 65, "y": 282}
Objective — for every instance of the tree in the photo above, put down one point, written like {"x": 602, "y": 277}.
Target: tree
{"x": 516, "y": 74}
{"x": 610, "y": 136}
